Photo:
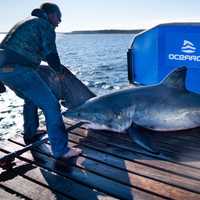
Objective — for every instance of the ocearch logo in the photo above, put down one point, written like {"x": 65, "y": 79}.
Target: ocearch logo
{"x": 187, "y": 48}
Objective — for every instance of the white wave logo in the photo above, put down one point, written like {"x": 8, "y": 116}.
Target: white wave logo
{"x": 188, "y": 47}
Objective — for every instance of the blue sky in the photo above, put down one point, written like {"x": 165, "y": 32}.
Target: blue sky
{"x": 105, "y": 14}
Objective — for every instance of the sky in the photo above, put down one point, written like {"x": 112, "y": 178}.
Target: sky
{"x": 105, "y": 14}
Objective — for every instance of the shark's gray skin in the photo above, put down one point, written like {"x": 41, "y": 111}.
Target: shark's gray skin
{"x": 167, "y": 106}
{"x": 70, "y": 90}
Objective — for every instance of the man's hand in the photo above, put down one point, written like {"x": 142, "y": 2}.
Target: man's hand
{"x": 2, "y": 87}
{"x": 61, "y": 74}
{"x": 59, "y": 77}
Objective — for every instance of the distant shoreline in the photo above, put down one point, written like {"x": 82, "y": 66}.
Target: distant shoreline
{"x": 134, "y": 31}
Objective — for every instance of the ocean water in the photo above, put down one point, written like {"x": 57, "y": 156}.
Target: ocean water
{"x": 99, "y": 60}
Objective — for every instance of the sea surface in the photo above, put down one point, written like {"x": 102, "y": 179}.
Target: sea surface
{"x": 99, "y": 60}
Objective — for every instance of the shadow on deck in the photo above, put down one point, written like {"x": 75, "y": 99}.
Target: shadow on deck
{"x": 111, "y": 167}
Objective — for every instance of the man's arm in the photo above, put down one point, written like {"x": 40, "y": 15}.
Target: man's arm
{"x": 53, "y": 61}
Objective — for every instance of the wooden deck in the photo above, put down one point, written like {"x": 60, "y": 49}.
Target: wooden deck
{"x": 111, "y": 167}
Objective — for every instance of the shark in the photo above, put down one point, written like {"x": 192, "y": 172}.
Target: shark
{"x": 167, "y": 106}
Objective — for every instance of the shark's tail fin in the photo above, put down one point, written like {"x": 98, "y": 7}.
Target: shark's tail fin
{"x": 176, "y": 78}
{"x": 71, "y": 90}
{"x": 74, "y": 91}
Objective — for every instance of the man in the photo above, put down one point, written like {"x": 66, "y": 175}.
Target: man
{"x": 26, "y": 44}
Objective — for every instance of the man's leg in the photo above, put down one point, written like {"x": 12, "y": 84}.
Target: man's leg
{"x": 32, "y": 87}
{"x": 30, "y": 114}
{"x": 31, "y": 120}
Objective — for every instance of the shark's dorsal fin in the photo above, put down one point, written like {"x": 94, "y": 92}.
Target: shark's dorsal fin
{"x": 176, "y": 78}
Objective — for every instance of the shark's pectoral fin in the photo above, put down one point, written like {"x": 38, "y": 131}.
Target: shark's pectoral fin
{"x": 141, "y": 139}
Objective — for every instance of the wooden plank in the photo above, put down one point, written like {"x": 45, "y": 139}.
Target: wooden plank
{"x": 5, "y": 195}
{"x": 28, "y": 189}
{"x": 181, "y": 151}
{"x": 139, "y": 181}
{"x": 183, "y": 155}
{"x": 82, "y": 175}
{"x": 66, "y": 186}
{"x": 135, "y": 180}
{"x": 31, "y": 190}
{"x": 177, "y": 181}
{"x": 140, "y": 169}
{"x": 171, "y": 145}
{"x": 129, "y": 153}
{"x": 55, "y": 182}
{"x": 184, "y": 135}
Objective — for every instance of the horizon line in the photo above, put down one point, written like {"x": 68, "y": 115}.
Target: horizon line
{"x": 95, "y": 30}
